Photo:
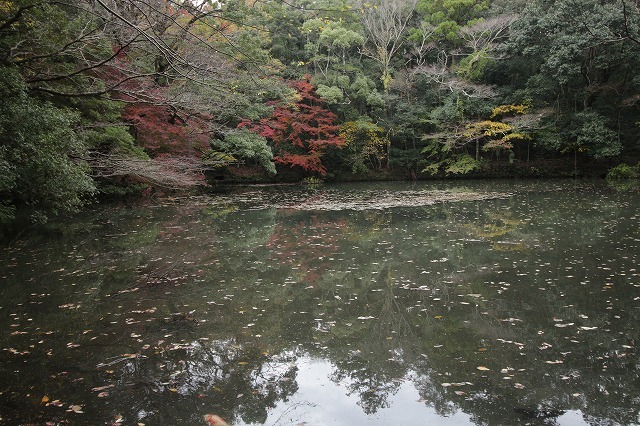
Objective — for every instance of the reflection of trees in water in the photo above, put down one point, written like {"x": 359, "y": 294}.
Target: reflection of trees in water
{"x": 498, "y": 314}
{"x": 403, "y": 295}
{"x": 376, "y": 369}
{"x": 228, "y": 378}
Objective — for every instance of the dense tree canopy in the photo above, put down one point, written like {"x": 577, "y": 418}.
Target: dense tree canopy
{"x": 106, "y": 93}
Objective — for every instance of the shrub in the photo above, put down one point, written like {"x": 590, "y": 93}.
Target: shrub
{"x": 624, "y": 171}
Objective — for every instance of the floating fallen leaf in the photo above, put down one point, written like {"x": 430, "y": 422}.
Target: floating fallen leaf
{"x": 564, "y": 325}
{"x": 588, "y": 328}
{"x": 482, "y": 368}
{"x": 214, "y": 420}
{"x": 554, "y": 362}
{"x": 460, "y": 393}
{"x": 76, "y": 409}
{"x": 518, "y": 386}
{"x": 103, "y": 394}
{"x": 44, "y": 399}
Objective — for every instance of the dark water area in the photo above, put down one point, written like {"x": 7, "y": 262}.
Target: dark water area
{"x": 479, "y": 303}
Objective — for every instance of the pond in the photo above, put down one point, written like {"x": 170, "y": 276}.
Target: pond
{"x": 355, "y": 304}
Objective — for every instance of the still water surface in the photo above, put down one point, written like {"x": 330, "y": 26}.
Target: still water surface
{"x": 480, "y": 303}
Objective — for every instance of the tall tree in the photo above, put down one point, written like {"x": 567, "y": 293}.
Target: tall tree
{"x": 585, "y": 65}
{"x": 300, "y": 132}
{"x": 386, "y": 24}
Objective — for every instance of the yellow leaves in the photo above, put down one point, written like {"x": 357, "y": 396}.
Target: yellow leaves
{"x": 500, "y": 135}
{"x": 486, "y": 128}
{"x": 509, "y": 110}
{"x": 517, "y": 137}
{"x": 497, "y": 143}
{"x": 354, "y": 132}
{"x": 44, "y": 399}
{"x": 6, "y": 8}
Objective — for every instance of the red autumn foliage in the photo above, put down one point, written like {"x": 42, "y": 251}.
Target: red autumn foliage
{"x": 159, "y": 127}
{"x": 301, "y": 133}
{"x": 312, "y": 239}
{"x": 160, "y": 130}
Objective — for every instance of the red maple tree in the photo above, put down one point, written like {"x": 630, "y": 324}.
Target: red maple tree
{"x": 300, "y": 133}
{"x": 161, "y": 130}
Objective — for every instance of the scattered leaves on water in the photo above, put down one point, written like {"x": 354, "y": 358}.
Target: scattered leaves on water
{"x": 76, "y": 409}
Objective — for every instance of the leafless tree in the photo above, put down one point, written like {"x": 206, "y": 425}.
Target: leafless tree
{"x": 166, "y": 172}
{"x": 385, "y": 23}
{"x": 486, "y": 33}
{"x": 440, "y": 74}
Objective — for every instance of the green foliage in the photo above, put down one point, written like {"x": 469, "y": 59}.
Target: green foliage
{"x": 331, "y": 94}
{"x": 473, "y": 66}
{"x": 114, "y": 140}
{"x": 442, "y": 159}
{"x": 40, "y": 162}
{"x": 365, "y": 145}
{"x": 594, "y": 136}
{"x": 582, "y": 67}
{"x": 242, "y": 144}
{"x": 335, "y": 35}
{"x": 624, "y": 171}
{"x": 448, "y": 16}
{"x": 461, "y": 165}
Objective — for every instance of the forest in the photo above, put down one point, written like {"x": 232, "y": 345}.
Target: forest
{"x": 103, "y": 98}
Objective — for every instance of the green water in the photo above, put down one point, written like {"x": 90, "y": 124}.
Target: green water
{"x": 484, "y": 303}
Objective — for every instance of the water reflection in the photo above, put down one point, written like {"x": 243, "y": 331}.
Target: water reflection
{"x": 514, "y": 307}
